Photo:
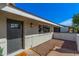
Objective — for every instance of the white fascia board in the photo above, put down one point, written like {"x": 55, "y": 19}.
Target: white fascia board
{"x": 19, "y": 12}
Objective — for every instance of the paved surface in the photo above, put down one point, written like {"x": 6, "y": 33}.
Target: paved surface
{"x": 56, "y": 53}
{"x": 55, "y": 47}
{"x": 62, "y": 52}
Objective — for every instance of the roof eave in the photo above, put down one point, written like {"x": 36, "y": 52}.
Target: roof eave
{"x": 22, "y": 13}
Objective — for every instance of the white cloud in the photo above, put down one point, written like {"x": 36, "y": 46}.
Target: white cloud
{"x": 67, "y": 22}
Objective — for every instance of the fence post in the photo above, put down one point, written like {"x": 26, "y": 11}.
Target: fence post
{"x": 77, "y": 41}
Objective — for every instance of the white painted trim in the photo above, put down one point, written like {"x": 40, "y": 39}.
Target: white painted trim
{"x": 38, "y": 34}
{"x": 19, "y": 12}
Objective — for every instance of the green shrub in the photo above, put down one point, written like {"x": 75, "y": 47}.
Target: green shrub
{"x": 1, "y": 51}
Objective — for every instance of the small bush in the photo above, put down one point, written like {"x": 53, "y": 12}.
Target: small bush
{"x": 1, "y": 51}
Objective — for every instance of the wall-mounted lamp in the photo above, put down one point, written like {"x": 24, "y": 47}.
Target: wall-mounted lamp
{"x": 31, "y": 24}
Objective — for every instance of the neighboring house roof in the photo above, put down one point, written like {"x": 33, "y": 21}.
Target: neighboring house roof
{"x": 15, "y": 10}
{"x": 67, "y": 22}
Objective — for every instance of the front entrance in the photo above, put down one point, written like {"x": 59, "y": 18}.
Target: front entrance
{"x": 14, "y": 35}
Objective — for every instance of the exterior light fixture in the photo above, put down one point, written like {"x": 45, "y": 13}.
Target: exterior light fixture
{"x": 31, "y": 24}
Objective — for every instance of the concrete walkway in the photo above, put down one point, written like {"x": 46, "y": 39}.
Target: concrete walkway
{"x": 55, "y": 53}
{"x": 54, "y": 47}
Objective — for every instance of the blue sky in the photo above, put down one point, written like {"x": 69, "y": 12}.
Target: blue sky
{"x": 55, "y": 12}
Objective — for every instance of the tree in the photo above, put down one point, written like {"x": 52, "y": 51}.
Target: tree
{"x": 76, "y": 22}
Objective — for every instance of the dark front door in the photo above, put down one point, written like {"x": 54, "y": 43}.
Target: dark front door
{"x": 14, "y": 35}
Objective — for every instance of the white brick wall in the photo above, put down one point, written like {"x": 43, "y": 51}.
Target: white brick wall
{"x": 36, "y": 39}
{"x": 65, "y": 36}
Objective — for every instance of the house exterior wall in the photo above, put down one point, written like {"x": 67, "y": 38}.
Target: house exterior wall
{"x": 31, "y": 35}
{"x": 3, "y": 36}
{"x": 27, "y": 29}
{"x": 30, "y": 30}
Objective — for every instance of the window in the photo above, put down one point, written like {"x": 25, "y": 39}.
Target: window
{"x": 14, "y": 25}
{"x": 40, "y": 28}
{"x": 44, "y": 29}
{"x": 56, "y": 29}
